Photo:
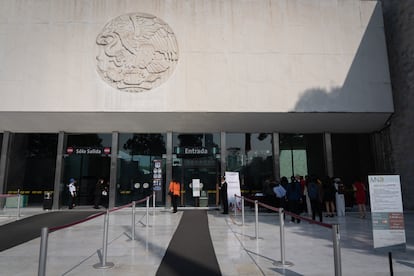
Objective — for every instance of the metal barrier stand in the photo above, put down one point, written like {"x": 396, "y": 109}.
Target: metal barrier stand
{"x": 103, "y": 263}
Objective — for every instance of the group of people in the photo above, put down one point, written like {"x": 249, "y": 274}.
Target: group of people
{"x": 100, "y": 195}
{"x": 174, "y": 192}
{"x": 298, "y": 195}
{"x": 316, "y": 195}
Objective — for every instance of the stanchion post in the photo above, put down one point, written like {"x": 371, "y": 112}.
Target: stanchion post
{"x": 147, "y": 211}
{"x": 242, "y": 210}
{"x": 235, "y": 205}
{"x": 256, "y": 212}
{"x": 282, "y": 236}
{"x": 18, "y": 203}
{"x": 283, "y": 262}
{"x": 43, "y": 251}
{"x": 337, "y": 249}
{"x": 133, "y": 221}
{"x": 103, "y": 263}
{"x": 153, "y": 200}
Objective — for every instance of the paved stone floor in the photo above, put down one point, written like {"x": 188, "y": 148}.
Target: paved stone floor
{"x": 309, "y": 247}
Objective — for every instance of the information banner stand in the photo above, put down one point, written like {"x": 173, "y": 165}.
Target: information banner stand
{"x": 387, "y": 214}
{"x": 233, "y": 188}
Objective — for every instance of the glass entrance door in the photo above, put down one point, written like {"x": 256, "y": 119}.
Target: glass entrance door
{"x": 86, "y": 159}
{"x": 86, "y": 170}
{"x": 197, "y": 164}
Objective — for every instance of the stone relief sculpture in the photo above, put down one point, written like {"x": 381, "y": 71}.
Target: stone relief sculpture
{"x": 137, "y": 52}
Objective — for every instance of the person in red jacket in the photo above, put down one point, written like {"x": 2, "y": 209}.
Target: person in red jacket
{"x": 360, "y": 196}
{"x": 174, "y": 192}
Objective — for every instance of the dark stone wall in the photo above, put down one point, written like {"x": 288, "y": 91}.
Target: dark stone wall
{"x": 399, "y": 30}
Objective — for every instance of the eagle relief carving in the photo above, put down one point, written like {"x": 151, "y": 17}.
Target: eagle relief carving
{"x": 137, "y": 52}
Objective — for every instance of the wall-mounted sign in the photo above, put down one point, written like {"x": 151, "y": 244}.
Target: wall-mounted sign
{"x": 157, "y": 176}
{"x": 89, "y": 150}
{"x": 194, "y": 151}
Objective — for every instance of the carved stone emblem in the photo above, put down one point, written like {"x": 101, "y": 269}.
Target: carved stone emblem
{"x": 137, "y": 52}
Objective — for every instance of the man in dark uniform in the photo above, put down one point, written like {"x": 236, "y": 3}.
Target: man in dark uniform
{"x": 223, "y": 195}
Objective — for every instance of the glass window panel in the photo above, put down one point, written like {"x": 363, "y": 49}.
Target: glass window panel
{"x": 286, "y": 167}
{"x": 89, "y": 140}
{"x": 300, "y": 161}
{"x": 32, "y": 164}
{"x": 136, "y": 155}
{"x": 251, "y": 155}
{"x": 301, "y": 154}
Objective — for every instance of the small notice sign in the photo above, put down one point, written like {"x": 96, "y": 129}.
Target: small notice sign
{"x": 196, "y": 187}
{"x": 387, "y": 211}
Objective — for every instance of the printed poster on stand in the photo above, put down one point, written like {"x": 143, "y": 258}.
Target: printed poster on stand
{"x": 387, "y": 211}
{"x": 233, "y": 188}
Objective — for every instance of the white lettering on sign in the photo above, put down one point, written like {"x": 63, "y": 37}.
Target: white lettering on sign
{"x": 80, "y": 151}
{"x": 93, "y": 151}
{"x": 195, "y": 151}
{"x": 374, "y": 179}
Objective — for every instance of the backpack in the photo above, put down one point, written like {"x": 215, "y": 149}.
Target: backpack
{"x": 279, "y": 191}
{"x": 313, "y": 190}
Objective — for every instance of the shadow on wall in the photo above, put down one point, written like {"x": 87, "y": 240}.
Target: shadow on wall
{"x": 367, "y": 85}
{"x": 321, "y": 100}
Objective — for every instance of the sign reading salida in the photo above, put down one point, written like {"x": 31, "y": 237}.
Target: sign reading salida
{"x": 89, "y": 150}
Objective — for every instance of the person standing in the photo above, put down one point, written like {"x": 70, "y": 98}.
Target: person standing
{"x": 360, "y": 197}
{"x": 294, "y": 198}
{"x": 339, "y": 197}
{"x": 280, "y": 193}
{"x": 98, "y": 193}
{"x": 329, "y": 192}
{"x": 72, "y": 193}
{"x": 174, "y": 192}
{"x": 314, "y": 194}
{"x": 223, "y": 195}
{"x": 105, "y": 194}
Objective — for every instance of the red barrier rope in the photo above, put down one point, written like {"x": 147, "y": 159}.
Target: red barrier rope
{"x": 129, "y": 204}
{"x": 247, "y": 199}
{"x": 52, "y": 229}
{"x": 76, "y": 222}
{"x": 327, "y": 225}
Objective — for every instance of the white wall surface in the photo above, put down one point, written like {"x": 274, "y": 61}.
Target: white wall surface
{"x": 234, "y": 56}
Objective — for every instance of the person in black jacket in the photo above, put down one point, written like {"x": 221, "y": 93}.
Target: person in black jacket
{"x": 98, "y": 193}
{"x": 223, "y": 195}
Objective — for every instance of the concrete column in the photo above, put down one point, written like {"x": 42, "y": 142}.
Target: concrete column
{"x": 58, "y": 188}
{"x": 328, "y": 154}
{"x": 276, "y": 155}
{"x": 223, "y": 152}
{"x": 168, "y": 167}
{"x": 113, "y": 169}
{"x": 3, "y": 159}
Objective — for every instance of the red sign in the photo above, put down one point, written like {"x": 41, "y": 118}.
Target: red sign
{"x": 88, "y": 150}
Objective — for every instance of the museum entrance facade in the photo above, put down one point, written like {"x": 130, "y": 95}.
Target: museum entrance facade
{"x": 137, "y": 164}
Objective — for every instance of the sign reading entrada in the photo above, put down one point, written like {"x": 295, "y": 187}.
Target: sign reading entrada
{"x": 192, "y": 151}
{"x": 195, "y": 151}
